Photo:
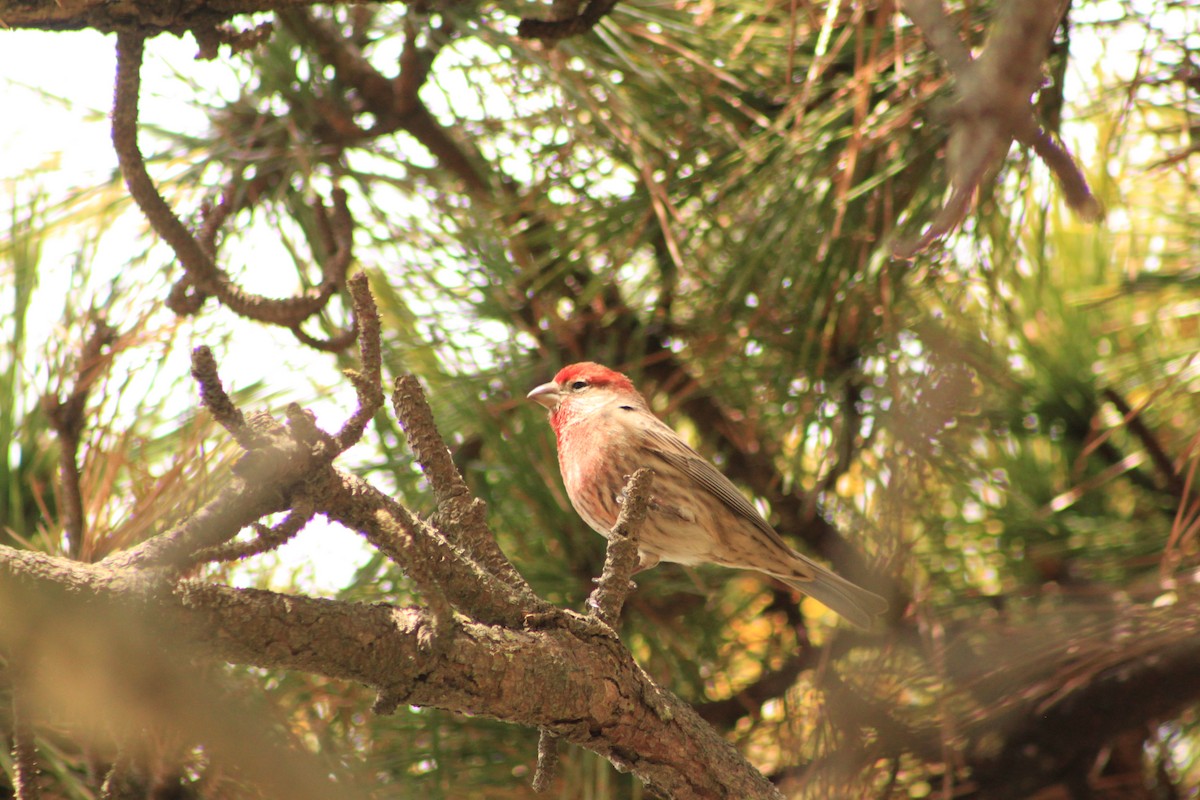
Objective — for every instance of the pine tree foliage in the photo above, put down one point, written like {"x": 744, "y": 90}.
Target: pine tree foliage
{"x": 999, "y": 433}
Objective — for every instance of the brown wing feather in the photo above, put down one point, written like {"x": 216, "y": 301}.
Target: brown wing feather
{"x": 678, "y": 454}
{"x": 851, "y": 601}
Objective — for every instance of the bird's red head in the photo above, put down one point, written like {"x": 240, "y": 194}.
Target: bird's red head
{"x": 594, "y": 375}
{"x": 580, "y": 388}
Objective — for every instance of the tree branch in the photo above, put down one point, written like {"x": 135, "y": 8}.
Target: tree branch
{"x": 993, "y": 107}
{"x": 1141, "y": 684}
{"x": 1158, "y": 454}
{"x": 580, "y": 22}
{"x": 394, "y": 102}
{"x": 146, "y": 15}
{"x": 368, "y": 384}
{"x": 589, "y": 689}
{"x": 67, "y": 419}
{"x": 203, "y": 275}
{"x": 267, "y": 539}
{"x": 621, "y": 555}
{"x": 463, "y": 516}
{"x": 24, "y": 751}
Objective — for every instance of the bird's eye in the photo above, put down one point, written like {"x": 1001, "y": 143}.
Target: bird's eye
{"x": 577, "y": 385}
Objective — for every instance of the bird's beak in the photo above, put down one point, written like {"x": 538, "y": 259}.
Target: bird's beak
{"x": 546, "y": 395}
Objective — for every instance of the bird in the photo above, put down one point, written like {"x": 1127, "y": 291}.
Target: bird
{"x": 605, "y": 432}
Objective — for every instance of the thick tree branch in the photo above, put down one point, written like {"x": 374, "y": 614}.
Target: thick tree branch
{"x": 116, "y": 658}
{"x": 147, "y": 15}
{"x": 589, "y": 690}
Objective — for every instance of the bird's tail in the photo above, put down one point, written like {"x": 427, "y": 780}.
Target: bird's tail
{"x": 851, "y": 601}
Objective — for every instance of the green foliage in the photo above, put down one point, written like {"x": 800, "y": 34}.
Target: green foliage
{"x": 705, "y": 196}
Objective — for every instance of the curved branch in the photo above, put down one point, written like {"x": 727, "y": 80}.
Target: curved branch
{"x": 993, "y": 107}
{"x": 203, "y": 274}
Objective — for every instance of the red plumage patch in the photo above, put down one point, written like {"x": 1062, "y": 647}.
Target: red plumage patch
{"x": 595, "y": 374}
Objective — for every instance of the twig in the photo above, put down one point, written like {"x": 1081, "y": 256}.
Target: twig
{"x": 66, "y": 417}
{"x": 457, "y": 510}
{"x": 24, "y": 750}
{"x": 335, "y": 344}
{"x": 394, "y": 102}
{"x": 416, "y": 419}
{"x": 1133, "y": 420}
{"x": 184, "y": 298}
{"x": 621, "y": 556}
{"x": 368, "y": 384}
{"x": 1071, "y": 180}
{"x": 547, "y": 761}
{"x": 266, "y": 539}
{"x": 214, "y": 398}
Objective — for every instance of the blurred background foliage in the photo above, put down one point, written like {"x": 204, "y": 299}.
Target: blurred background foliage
{"x": 1002, "y": 433}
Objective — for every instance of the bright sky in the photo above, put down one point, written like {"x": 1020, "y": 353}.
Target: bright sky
{"x": 72, "y": 136}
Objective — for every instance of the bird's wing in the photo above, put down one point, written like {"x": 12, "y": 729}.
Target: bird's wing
{"x": 851, "y": 601}
{"x": 667, "y": 444}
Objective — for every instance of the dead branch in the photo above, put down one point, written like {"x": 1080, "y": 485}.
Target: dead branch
{"x": 993, "y": 107}
{"x": 203, "y": 277}
{"x": 547, "y": 762}
{"x": 24, "y": 751}
{"x": 461, "y": 515}
{"x": 368, "y": 384}
{"x": 267, "y": 539}
{"x": 67, "y": 418}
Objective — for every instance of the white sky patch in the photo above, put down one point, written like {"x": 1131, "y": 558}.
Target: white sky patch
{"x": 56, "y": 90}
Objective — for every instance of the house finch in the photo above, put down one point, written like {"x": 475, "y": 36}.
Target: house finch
{"x": 606, "y": 432}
